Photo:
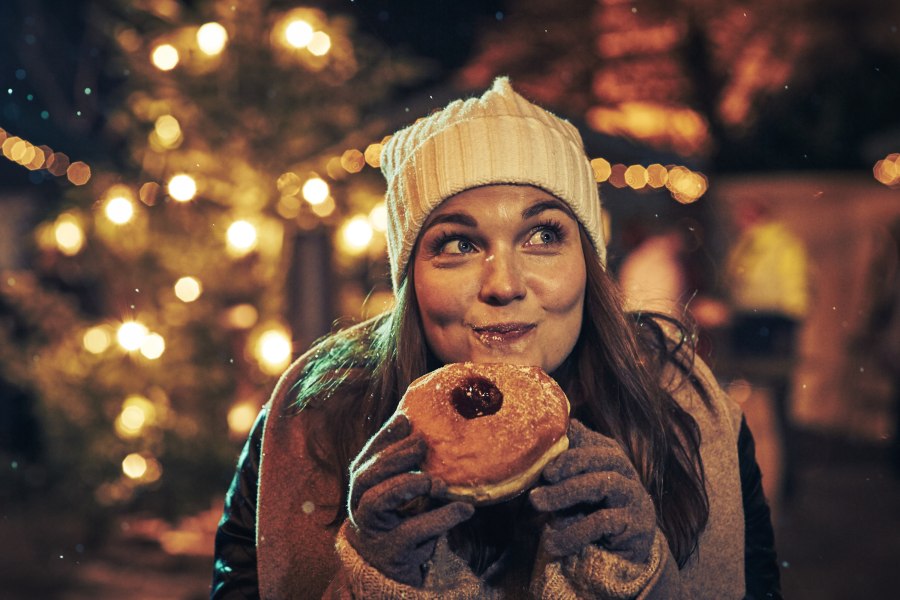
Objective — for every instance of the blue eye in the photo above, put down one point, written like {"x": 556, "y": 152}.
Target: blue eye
{"x": 451, "y": 244}
{"x": 458, "y": 247}
{"x": 546, "y": 235}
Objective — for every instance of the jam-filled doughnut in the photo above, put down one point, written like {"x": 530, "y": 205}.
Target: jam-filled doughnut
{"x": 490, "y": 428}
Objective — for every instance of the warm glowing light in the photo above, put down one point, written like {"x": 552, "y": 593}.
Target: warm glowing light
{"x": 288, "y": 184}
{"x": 242, "y": 316}
{"x": 131, "y": 335}
{"x": 319, "y": 44}
{"x": 325, "y": 209}
{"x": 273, "y": 350}
{"x": 134, "y": 466}
{"x": 652, "y": 122}
{"x": 188, "y": 289}
{"x": 617, "y": 175}
{"x": 153, "y": 346}
{"x": 657, "y": 175}
{"x": 636, "y": 177}
{"x": 685, "y": 185}
{"x": 119, "y": 210}
{"x": 241, "y": 237}
{"x": 288, "y": 206}
{"x": 40, "y": 158}
{"x": 68, "y": 235}
{"x": 241, "y": 417}
{"x": 149, "y": 193}
{"x": 353, "y": 160}
{"x": 378, "y": 217}
{"x": 137, "y": 412}
{"x": 165, "y": 57}
{"x": 97, "y": 339}
{"x": 373, "y": 155}
{"x": 315, "y": 190}
{"x": 168, "y": 131}
{"x": 58, "y": 163}
{"x": 601, "y": 168}
{"x": 887, "y": 170}
{"x": 133, "y": 419}
{"x": 182, "y": 187}
{"x": 356, "y": 235}
{"x": 212, "y": 37}
{"x": 78, "y": 173}
{"x": 298, "y": 33}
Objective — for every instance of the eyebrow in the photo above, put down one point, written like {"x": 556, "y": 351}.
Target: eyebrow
{"x": 456, "y": 217}
{"x": 536, "y": 209}
{"x": 461, "y": 218}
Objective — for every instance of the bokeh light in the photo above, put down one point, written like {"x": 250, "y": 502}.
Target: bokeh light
{"x": 378, "y": 217}
{"x": 319, "y": 44}
{"x": 188, "y": 289}
{"x": 241, "y": 316}
{"x": 212, "y": 37}
{"x": 298, "y": 33}
{"x": 78, "y": 173}
{"x": 182, "y": 187}
{"x": 355, "y": 235}
{"x": 242, "y": 237}
{"x": 273, "y": 350}
{"x": 134, "y": 466}
{"x": 165, "y": 57}
{"x": 97, "y": 340}
{"x": 601, "y": 168}
{"x": 68, "y": 234}
{"x": 241, "y": 417}
{"x": 315, "y": 190}
{"x": 152, "y": 346}
{"x": 119, "y": 210}
{"x": 168, "y": 131}
{"x": 288, "y": 184}
{"x": 137, "y": 413}
{"x": 131, "y": 335}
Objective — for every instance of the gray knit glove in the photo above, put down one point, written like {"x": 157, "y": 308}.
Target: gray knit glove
{"x": 595, "y": 496}
{"x": 395, "y": 523}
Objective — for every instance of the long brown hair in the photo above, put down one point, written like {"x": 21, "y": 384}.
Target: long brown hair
{"x": 613, "y": 377}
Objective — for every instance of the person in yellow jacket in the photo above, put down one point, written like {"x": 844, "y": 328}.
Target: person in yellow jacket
{"x": 767, "y": 268}
{"x": 767, "y": 274}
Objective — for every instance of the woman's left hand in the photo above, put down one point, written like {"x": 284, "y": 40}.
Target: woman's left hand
{"x": 595, "y": 496}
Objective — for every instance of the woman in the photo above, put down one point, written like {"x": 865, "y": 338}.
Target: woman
{"x": 496, "y": 250}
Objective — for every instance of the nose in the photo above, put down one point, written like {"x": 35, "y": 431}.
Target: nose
{"x": 502, "y": 279}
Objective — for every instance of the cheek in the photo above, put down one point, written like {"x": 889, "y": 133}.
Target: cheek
{"x": 440, "y": 297}
{"x": 562, "y": 287}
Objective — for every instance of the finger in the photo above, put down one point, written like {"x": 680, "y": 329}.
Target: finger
{"x": 432, "y": 524}
{"x": 591, "y": 488}
{"x": 402, "y": 457}
{"x": 582, "y": 460}
{"x": 378, "y": 507}
{"x": 394, "y": 429}
{"x": 438, "y": 488}
{"x": 595, "y": 528}
{"x": 610, "y": 489}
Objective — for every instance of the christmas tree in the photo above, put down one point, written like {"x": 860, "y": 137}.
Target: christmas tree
{"x": 237, "y": 215}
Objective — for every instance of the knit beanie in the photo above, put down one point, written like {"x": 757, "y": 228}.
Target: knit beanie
{"x": 498, "y": 138}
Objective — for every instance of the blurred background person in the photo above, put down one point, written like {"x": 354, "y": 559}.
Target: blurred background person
{"x": 767, "y": 280}
{"x": 653, "y": 275}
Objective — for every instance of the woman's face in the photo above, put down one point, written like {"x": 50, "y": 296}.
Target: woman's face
{"x": 499, "y": 276}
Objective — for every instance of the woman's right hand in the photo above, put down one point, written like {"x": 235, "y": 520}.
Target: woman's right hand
{"x": 385, "y": 485}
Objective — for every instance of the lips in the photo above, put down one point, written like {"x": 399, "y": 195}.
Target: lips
{"x": 502, "y": 334}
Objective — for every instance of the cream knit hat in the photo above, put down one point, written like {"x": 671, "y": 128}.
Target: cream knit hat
{"x": 497, "y": 138}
